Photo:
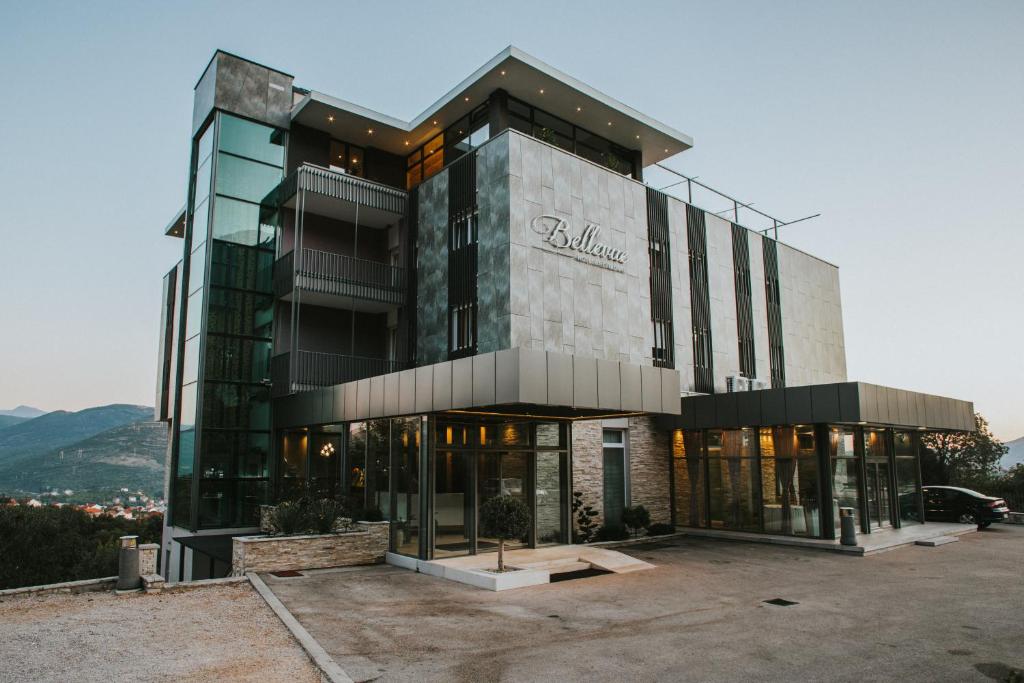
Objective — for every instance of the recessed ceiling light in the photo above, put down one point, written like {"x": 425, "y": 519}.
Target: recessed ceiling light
{"x": 503, "y": 73}
{"x": 637, "y": 137}
{"x": 370, "y": 131}
{"x": 330, "y": 119}
{"x": 609, "y": 123}
{"x": 542, "y": 91}
{"x": 467, "y": 98}
{"x": 666, "y": 150}
{"x": 435, "y": 123}
{"x": 579, "y": 108}
{"x": 406, "y": 143}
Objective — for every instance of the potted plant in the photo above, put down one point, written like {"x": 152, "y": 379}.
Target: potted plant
{"x": 504, "y": 518}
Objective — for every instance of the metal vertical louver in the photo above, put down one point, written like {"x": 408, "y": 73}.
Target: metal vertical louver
{"x": 663, "y": 351}
{"x": 462, "y": 257}
{"x": 776, "y": 351}
{"x": 744, "y": 300}
{"x": 700, "y": 301}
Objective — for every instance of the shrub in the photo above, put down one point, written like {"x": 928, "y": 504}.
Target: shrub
{"x": 660, "y": 529}
{"x": 611, "y": 532}
{"x": 323, "y": 513}
{"x": 585, "y": 524}
{"x": 292, "y": 517}
{"x": 503, "y": 518}
{"x": 636, "y": 518}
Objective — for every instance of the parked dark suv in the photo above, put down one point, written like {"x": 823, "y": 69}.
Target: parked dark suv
{"x": 954, "y": 504}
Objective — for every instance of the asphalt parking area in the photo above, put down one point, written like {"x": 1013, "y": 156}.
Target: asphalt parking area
{"x": 951, "y": 613}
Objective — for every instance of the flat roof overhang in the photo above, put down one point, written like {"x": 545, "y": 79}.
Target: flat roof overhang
{"x": 176, "y": 228}
{"x": 840, "y": 403}
{"x": 521, "y": 76}
{"x": 524, "y": 383}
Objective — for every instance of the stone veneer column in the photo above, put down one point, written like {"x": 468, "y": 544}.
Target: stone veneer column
{"x": 587, "y": 466}
{"x": 649, "y": 480}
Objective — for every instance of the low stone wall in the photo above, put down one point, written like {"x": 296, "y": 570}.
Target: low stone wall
{"x": 366, "y": 545}
{"x": 148, "y": 558}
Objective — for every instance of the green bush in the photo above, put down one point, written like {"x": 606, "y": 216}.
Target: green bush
{"x": 636, "y": 518}
{"x": 660, "y": 529}
{"x": 49, "y": 545}
{"x": 323, "y": 513}
{"x": 292, "y": 517}
{"x": 504, "y": 518}
{"x": 585, "y": 524}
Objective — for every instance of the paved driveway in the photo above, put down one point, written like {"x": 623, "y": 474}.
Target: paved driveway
{"x": 952, "y": 613}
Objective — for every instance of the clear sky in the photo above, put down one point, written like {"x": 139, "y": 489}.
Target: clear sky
{"x": 900, "y": 122}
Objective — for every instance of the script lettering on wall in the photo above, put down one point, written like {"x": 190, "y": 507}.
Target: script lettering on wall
{"x": 585, "y": 247}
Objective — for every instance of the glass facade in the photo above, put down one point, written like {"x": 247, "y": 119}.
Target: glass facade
{"x": 774, "y": 479}
{"x": 222, "y": 465}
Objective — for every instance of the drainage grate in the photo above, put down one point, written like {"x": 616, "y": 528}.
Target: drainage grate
{"x": 781, "y": 602}
{"x": 286, "y": 574}
{"x": 580, "y": 574}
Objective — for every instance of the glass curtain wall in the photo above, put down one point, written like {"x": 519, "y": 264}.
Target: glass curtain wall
{"x": 878, "y": 489}
{"x": 908, "y": 481}
{"x": 688, "y": 477}
{"x": 235, "y": 425}
{"x": 405, "y": 468}
{"x": 789, "y": 470}
{"x": 733, "y": 479}
{"x": 845, "y": 470}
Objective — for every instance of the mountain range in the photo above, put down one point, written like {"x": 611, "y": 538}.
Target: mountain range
{"x": 94, "y": 452}
{"x": 27, "y": 412}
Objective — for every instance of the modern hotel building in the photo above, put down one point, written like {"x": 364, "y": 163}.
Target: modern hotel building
{"x": 417, "y": 316}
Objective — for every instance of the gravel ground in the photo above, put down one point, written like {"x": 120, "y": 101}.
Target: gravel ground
{"x": 215, "y": 633}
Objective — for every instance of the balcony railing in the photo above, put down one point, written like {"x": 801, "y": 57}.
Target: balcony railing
{"x": 340, "y": 186}
{"x": 313, "y": 369}
{"x": 329, "y": 273}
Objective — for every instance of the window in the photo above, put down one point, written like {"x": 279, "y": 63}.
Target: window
{"x": 463, "y": 327}
{"x": 464, "y": 229}
{"x": 615, "y": 476}
{"x": 662, "y": 340}
{"x": 347, "y": 158}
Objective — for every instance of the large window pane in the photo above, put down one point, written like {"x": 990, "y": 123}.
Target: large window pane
{"x": 231, "y": 503}
{"x": 789, "y": 474}
{"x": 688, "y": 463}
{"x": 378, "y": 466}
{"x": 452, "y": 503}
{"x": 236, "y": 221}
{"x": 243, "y": 455}
{"x": 733, "y": 478}
{"x": 251, "y": 140}
{"x": 241, "y": 267}
{"x": 237, "y": 359}
{"x": 845, "y": 472}
{"x": 405, "y": 459}
{"x": 244, "y": 179}
{"x": 234, "y": 406}
{"x": 908, "y": 485}
{"x": 194, "y": 314}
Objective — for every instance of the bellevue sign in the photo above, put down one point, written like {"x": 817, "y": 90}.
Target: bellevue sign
{"x": 555, "y": 232}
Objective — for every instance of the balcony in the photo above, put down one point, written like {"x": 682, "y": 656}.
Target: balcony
{"x": 338, "y": 195}
{"x": 313, "y": 369}
{"x": 326, "y": 274}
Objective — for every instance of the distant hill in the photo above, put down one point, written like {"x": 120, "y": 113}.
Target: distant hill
{"x": 1015, "y": 456}
{"x": 28, "y": 412}
{"x": 30, "y": 450}
{"x": 11, "y": 420}
{"x": 128, "y": 456}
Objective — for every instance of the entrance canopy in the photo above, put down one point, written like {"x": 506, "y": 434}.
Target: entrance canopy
{"x": 841, "y": 403}
{"x": 513, "y": 382}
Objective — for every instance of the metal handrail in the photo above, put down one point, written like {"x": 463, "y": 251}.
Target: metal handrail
{"x": 320, "y": 369}
{"x": 349, "y": 269}
{"x": 337, "y": 185}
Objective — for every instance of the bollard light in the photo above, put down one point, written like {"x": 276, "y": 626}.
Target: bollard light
{"x": 128, "y": 578}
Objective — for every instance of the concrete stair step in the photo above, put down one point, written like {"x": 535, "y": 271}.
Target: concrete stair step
{"x": 559, "y": 566}
{"x": 937, "y": 541}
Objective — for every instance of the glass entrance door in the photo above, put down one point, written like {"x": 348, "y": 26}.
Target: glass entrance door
{"x": 503, "y": 474}
{"x": 879, "y": 494}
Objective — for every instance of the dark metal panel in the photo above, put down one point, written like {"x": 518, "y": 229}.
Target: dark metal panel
{"x": 462, "y": 383}
{"x": 609, "y": 395}
{"x": 849, "y": 402}
{"x": 559, "y": 379}
{"x": 326, "y": 404}
{"x": 773, "y": 407}
{"x": 748, "y": 408}
{"x": 584, "y": 382}
{"x": 922, "y": 408}
{"x": 798, "y": 405}
{"x": 687, "y": 413}
{"x": 351, "y": 400}
{"x": 892, "y": 402}
{"x": 868, "y": 402}
{"x": 338, "y": 414}
{"x": 631, "y": 387}
{"x": 727, "y": 410}
{"x": 442, "y": 399}
{"x": 703, "y": 411}
{"x": 903, "y": 407}
{"x": 376, "y": 397}
{"x": 825, "y": 403}
{"x": 483, "y": 380}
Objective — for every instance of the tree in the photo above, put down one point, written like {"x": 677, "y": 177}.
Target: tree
{"x": 961, "y": 457}
{"x": 585, "y": 514}
{"x": 504, "y": 518}
{"x": 636, "y": 518}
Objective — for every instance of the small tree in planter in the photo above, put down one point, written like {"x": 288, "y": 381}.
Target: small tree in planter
{"x": 585, "y": 514}
{"x": 504, "y": 518}
{"x": 636, "y": 518}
